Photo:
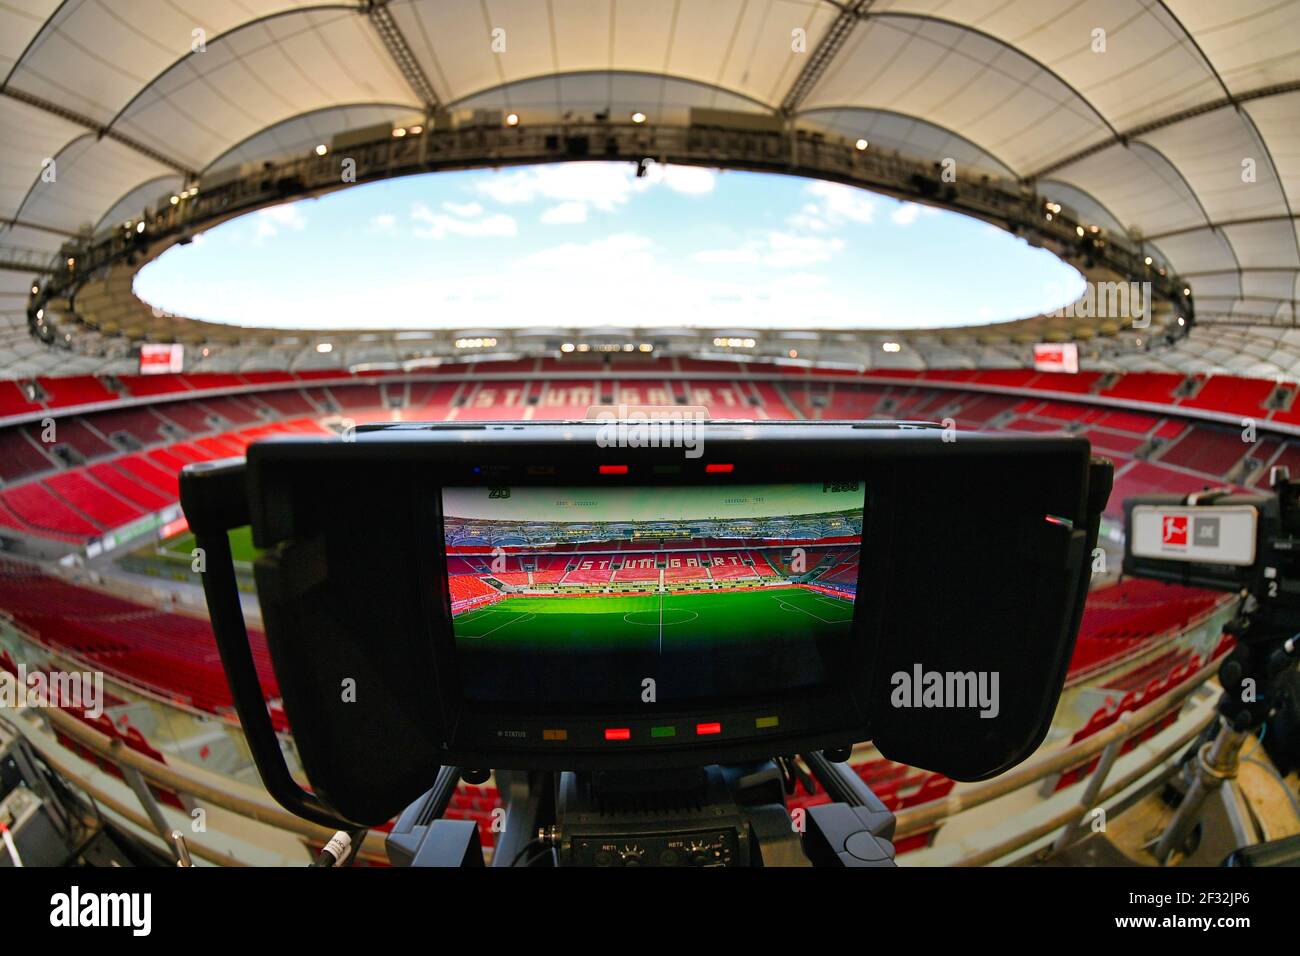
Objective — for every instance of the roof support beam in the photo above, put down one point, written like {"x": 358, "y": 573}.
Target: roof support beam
{"x": 1169, "y": 120}
{"x": 100, "y": 131}
{"x": 832, "y": 41}
{"x": 37, "y": 227}
{"x": 395, "y": 42}
{"x": 1253, "y": 221}
{"x": 14, "y": 259}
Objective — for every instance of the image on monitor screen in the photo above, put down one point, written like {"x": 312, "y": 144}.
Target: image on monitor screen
{"x": 595, "y": 597}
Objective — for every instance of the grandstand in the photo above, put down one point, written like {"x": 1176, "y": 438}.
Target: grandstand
{"x": 1127, "y": 166}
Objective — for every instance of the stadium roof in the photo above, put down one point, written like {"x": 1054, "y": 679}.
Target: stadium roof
{"x": 1175, "y": 119}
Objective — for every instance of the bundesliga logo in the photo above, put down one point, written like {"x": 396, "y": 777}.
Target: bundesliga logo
{"x": 1173, "y": 531}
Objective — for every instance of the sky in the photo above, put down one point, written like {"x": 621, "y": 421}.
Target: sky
{"x": 585, "y": 244}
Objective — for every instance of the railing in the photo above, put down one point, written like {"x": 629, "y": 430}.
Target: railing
{"x": 256, "y": 806}
{"x": 1106, "y": 742}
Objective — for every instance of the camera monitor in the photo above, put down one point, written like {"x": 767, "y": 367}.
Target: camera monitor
{"x": 590, "y": 597}
{"x": 531, "y": 597}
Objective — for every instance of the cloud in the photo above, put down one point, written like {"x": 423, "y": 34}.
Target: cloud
{"x": 689, "y": 180}
{"x": 905, "y": 214}
{"x": 384, "y": 222}
{"x": 624, "y": 252}
{"x": 269, "y": 221}
{"x": 566, "y": 213}
{"x": 745, "y": 255}
{"x": 837, "y": 204}
{"x": 790, "y": 251}
{"x": 604, "y": 186}
{"x": 775, "y": 250}
{"x": 465, "y": 210}
{"x": 438, "y": 225}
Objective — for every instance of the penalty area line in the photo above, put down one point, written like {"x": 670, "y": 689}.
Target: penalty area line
{"x": 526, "y": 615}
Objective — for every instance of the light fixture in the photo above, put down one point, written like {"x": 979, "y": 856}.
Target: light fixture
{"x": 512, "y": 119}
{"x": 139, "y": 226}
{"x": 647, "y": 347}
{"x": 892, "y": 347}
{"x": 399, "y": 132}
{"x": 862, "y": 144}
{"x": 566, "y": 347}
{"x": 1187, "y": 291}
{"x": 1147, "y": 260}
{"x": 416, "y": 130}
{"x": 36, "y": 290}
{"x": 1181, "y": 320}
{"x": 324, "y": 348}
{"x": 1079, "y": 231}
{"x": 322, "y": 149}
{"x": 175, "y": 200}
{"x": 638, "y": 117}
{"x": 794, "y": 353}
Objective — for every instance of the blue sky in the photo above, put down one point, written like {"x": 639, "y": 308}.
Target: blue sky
{"x": 582, "y": 244}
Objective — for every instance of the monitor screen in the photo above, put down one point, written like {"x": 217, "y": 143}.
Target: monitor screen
{"x": 589, "y": 598}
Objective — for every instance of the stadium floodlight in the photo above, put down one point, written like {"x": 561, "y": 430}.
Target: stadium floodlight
{"x": 861, "y": 144}
{"x": 322, "y": 149}
{"x": 638, "y": 117}
{"x": 512, "y": 119}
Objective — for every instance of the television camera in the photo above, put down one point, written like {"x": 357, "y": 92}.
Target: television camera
{"x": 648, "y": 649}
{"x": 1249, "y": 544}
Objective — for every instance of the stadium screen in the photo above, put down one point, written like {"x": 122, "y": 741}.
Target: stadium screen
{"x": 575, "y": 597}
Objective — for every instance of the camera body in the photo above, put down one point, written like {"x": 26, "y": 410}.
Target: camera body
{"x": 947, "y": 645}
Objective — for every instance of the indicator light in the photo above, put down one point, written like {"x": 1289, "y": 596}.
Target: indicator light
{"x": 618, "y": 733}
{"x": 717, "y": 469}
{"x": 668, "y": 731}
{"x": 613, "y": 469}
{"x": 703, "y": 730}
{"x": 766, "y": 723}
{"x": 555, "y": 733}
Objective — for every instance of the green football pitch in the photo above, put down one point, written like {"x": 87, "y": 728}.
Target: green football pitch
{"x": 241, "y": 545}
{"x": 647, "y": 620}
